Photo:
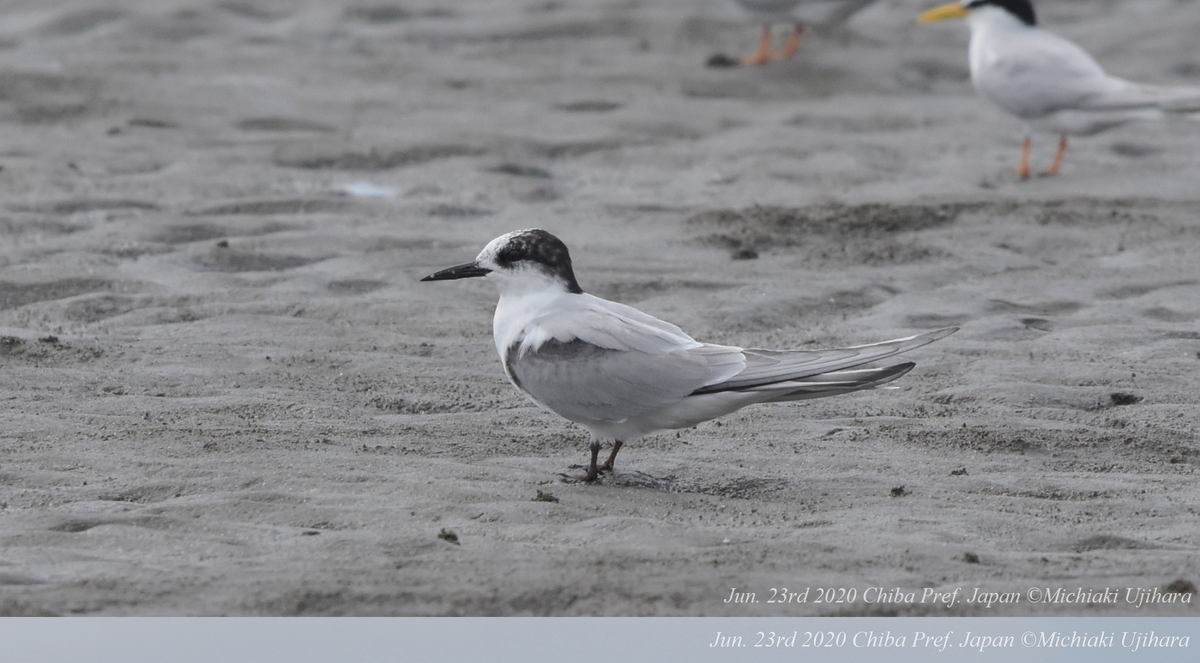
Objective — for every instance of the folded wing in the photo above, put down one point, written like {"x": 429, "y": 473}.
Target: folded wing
{"x": 590, "y": 384}
{"x": 1042, "y": 73}
{"x": 1127, "y": 95}
{"x": 587, "y": 380}
{"x": 1038, "y": 73}
{"x": 772, "y": 369}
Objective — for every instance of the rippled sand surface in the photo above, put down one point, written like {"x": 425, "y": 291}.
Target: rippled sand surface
{"x": 224, "y": 392}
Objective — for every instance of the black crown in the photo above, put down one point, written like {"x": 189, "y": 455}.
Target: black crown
{"x": 542, "y": 248}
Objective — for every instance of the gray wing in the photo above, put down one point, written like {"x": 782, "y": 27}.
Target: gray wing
{"x": 1042, "y": 73}
{"x": 1128, "y": 95}
{"x": 831, "y": 384}
{"x": 769, "y": 367}
{"x": 587, "y": 383}
{"x": 847, "y": 10}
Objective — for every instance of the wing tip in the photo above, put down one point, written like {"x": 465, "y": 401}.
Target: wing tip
{"x": 939, "y": 334}
{"x": 893, "y": 372}
{"x": 913, "y": 342}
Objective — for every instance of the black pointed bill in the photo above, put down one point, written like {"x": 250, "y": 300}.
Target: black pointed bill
{"x": 464, "y": 271}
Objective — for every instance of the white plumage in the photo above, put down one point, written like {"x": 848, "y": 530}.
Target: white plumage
{"x": 1048, "y": 82}
{"x": 623, "y": 374}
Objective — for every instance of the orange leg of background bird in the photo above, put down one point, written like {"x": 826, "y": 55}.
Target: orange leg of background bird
{"x": 1062, "y": 149}
{"x": 793, "y": 43}
{"x": 1023, "y": 169}
{"x": 763, "y": 54}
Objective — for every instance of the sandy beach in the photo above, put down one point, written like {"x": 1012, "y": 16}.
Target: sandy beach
{"x": 223, "y": 390}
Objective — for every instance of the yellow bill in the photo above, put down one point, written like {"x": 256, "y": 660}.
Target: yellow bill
{"x": 951, "y": 10}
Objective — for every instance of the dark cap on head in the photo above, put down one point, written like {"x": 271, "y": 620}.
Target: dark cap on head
{"x": 1022, "y": 9}
{"x": 522, "y": 249}
{"x": 540, "y": 247}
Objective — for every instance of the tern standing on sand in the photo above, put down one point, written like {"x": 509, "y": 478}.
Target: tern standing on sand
{"x": 623, "y": 374}
{"x": 1048, "y": 82}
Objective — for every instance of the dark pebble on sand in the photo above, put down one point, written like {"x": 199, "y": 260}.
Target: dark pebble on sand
{"x": 721, "y": 61}
{"x": 1120, "y": 398}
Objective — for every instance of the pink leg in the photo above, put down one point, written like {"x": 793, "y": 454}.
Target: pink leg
{"x": 608, "y": 464}
{"x": 793, "y": 43}
{"x": 763, "y": 54}
{"x": 1058, "y": 158}
{"x": 1023, "y": 169}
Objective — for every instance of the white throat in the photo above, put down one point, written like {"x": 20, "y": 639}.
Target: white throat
{"x": 526, "y": 281}
{"x": 525, "y": 296}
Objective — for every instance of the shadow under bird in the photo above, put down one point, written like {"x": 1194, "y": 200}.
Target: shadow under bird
{"x": 623, "y": 374}
{"x": 1049, "y": 83}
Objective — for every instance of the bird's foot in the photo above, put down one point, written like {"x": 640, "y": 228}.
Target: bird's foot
{"x": 792, "y": 45}
{"x": 763, "y": 54}
{"x": 1058, "y": 158}
{"x": 608, "y": 464}
{"x": 579, "y": 478}
{"x": 591, "y": 476}
{"x": 756, "y": 59}
{"x": 594, "y": 468}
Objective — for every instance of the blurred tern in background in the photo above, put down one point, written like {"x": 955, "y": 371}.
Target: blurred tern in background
{"x": 623, "y": 374}
{"x": 1048, "y": 82}
{"x": 769, "y": 12}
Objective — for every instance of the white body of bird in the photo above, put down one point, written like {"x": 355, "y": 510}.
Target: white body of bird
{"x": 623, "y": 374}
{"x": 1052, "y": 84}
{"x": 1048, "y": 82}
